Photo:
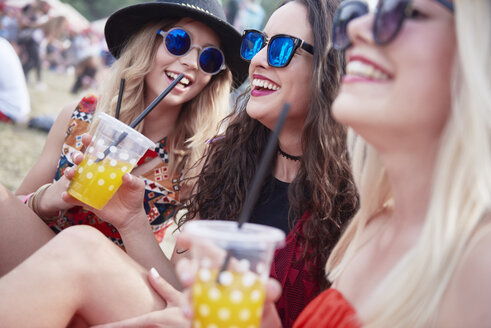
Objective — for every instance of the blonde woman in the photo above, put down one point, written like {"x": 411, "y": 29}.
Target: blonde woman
{"x": 417, "y": 97}
{"x": 142, "y": 38}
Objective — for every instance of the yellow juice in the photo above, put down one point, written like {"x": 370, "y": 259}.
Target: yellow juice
{"x": 236, "y": 302}
{"x": 95, "y": 183}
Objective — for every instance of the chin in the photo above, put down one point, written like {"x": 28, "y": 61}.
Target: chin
{"x": 342, "y": 110}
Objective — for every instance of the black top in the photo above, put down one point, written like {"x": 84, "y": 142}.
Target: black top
{"x": 272, "y": 206}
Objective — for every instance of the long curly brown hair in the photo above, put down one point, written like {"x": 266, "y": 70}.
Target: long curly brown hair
{"x": 323, "y": 185}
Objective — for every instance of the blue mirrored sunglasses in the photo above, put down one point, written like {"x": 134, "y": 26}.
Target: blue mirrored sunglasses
{"x": 389, "y": 16}
{"x": 178, "y": 42}
{"x": 281, "y": 47}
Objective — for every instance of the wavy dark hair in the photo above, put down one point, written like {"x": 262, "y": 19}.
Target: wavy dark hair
{"x": 323, "y": 184}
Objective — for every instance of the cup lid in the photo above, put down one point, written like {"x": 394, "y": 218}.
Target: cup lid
{"x": 228, "y": 231}
{"x": 134, "y": 135}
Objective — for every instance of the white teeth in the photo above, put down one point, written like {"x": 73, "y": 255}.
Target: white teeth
{"x": 184, "y": 81}
{"x": 265, "y": 84}
{"x": 359, "y": 68}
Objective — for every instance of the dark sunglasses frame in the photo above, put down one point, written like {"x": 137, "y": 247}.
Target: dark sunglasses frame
{"x": 201, "y": 50}
{"x": 363, "y": 6}
{"x": 297, "y": 43}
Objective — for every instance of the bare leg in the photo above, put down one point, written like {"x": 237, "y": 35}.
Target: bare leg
{"x": 79, "y": 272}
{"x": 21, "y": 231}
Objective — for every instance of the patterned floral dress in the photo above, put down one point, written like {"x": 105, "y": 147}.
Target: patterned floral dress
{"x": 161, "y": 190}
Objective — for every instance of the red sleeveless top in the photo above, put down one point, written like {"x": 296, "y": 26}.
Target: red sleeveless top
{"x": 328, "y": 310}
{"x": 298, "y": 285}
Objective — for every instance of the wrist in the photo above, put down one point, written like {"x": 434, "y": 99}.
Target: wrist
{"x": 134, "y": 223}
{"x": 34, "y": 201}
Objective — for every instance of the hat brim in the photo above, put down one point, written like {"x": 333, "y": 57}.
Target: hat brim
{"x": 127, "y": 21}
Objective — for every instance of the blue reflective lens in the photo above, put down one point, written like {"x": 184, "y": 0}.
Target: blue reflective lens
{"x": 280, "y": 50}
{"x": 178, "y": 42}
{"x": 211, "y": 60}
{"x": 252, "y": 43}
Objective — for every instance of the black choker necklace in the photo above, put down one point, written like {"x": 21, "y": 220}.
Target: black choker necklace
{"x": 288, "y": 156}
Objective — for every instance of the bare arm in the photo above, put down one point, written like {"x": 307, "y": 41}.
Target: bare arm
{"x": 44, "y": 169}
{"x": 125, "y": 211}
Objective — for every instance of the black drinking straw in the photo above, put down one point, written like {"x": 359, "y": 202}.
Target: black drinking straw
{"x": 143, "y": 114}
{"x": 257, "y": 181}
{"x": 120, "y": 97}
{"x": 156, "y": 101}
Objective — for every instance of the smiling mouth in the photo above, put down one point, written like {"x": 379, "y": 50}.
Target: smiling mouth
{"x": 264, "y": 85}
{"x": 365, "y": 70}
{"x": 184, "y": 83}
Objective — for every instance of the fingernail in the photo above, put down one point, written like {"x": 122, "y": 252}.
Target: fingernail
{"x": 186, "y": 310}
{"x": 154, "y": 273}
{"x": 185, "y": 277}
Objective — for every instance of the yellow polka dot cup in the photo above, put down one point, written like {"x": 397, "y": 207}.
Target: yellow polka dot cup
{"x": 233, "y": 297}
{"x": 114, "y": 150}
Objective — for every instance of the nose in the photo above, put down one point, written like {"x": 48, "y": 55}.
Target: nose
{"x": 260, "y": 59}
{"x": 190, "y": 59}
{"x": 360, "y": 29}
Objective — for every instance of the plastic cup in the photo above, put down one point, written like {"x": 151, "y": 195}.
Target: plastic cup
{"x": 236, "y": 297}
{"x": 100, "y": 174}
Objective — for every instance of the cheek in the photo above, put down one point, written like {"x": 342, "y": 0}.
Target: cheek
{"x": 201, "y": 82}
{"x": 298, "y": 88}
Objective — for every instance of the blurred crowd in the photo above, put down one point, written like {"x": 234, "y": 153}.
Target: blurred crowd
{"x": 245, "y": 14}
{"x": 45, "y": 41}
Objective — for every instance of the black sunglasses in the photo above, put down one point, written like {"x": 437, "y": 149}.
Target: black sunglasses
{"x": 281, "y": 47}
{"x": 177, "y": 41}
{"x": 389, "y": 16}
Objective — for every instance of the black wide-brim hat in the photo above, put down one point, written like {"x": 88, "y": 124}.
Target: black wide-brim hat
{"x": 125, "y": 22}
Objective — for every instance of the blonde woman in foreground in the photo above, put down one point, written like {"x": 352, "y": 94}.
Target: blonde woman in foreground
{"x": 417, "y": 98}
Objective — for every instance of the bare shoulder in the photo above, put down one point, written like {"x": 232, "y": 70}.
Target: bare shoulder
{"x": 466, "y": 302}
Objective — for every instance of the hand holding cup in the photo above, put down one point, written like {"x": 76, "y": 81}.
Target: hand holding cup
{"x": 126, "y": 203}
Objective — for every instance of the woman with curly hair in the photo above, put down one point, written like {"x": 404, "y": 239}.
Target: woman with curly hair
{"x": 310, "y": 194}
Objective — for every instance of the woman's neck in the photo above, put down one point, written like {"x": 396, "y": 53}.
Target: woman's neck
{"x": 286, "y": 168}
{"x": 410, "y": 176}
{"x": 160, "y": 122}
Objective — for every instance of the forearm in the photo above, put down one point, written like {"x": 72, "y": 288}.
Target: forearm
{"x": 140, "y": 243}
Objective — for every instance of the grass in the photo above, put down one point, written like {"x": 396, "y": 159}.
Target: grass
{"x": 20, "y": 146}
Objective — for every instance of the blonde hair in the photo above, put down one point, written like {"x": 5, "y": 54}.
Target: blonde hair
{"x": 198, "y": 119}
{"x": 410, "y": 295}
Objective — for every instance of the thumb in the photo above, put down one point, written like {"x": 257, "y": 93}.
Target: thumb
{"x": 172, "y": 296}
{"x": 133, "y": 183}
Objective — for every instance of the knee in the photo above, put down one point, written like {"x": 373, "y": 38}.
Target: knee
{"x": 81, "y": 239}
{"x": 84, "y": 251}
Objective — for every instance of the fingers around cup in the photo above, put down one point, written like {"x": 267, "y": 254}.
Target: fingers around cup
{"x": 186, "y": 271}
{"x": 86, "y": 139}
{"x": 273, "y": 290}
{"x": 77, "y": 157}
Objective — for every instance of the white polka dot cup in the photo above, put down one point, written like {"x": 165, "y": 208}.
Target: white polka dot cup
{"x": 115, "y": 149}
{"x": 235, "y": 297}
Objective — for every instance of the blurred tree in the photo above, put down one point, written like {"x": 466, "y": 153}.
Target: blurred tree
{"x": 96, "y": 9}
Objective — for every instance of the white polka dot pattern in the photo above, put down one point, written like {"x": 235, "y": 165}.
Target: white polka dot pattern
{"x": 235, "y": 302}
{"x": 103, "y": 177}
